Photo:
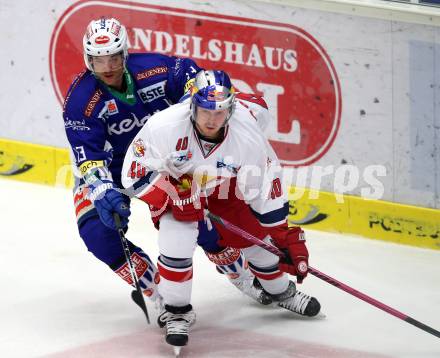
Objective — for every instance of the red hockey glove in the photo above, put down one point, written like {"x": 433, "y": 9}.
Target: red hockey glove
{"x": 292, "y": 242}
{"x": 186, "y": 202}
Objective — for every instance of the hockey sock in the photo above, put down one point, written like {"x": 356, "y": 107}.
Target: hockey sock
{"x": 146, "y": 272}
{"x": 231, "y": 262}
{"x": 175, "y": 280}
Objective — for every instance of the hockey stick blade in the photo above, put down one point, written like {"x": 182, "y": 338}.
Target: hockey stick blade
{"x": 139, "y": 300}
{"x": 330, "y": 280}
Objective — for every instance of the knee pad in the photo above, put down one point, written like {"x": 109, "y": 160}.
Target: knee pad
{"x": 177, "y": 239}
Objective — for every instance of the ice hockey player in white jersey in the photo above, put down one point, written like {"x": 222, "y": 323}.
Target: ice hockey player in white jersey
{"x": 208, "y": 152}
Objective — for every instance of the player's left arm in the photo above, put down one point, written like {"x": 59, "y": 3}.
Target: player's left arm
{"x": 261, "y": 184}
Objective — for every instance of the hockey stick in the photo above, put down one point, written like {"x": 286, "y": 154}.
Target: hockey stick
{"x": 137, "y": 294}
{"x": 273, "y": 249}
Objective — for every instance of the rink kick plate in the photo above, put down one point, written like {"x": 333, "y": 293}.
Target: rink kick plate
{"x": 318, "y": 210}
{"x": 375, "y": 219}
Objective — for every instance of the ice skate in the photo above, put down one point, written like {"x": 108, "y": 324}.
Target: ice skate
{"x": 245, "y": 283}
{"x": 164, "y": 315}
{"x": 294, "y": 300}
{"x": 177, "y": 351}
{"x": 178, "y": 321}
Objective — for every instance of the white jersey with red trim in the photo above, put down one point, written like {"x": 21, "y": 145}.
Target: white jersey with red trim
{"x": 244, "y": 157}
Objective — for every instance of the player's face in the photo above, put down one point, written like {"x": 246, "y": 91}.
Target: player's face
{"x": 209, "y": 122}
{"x": 109, "y": 69}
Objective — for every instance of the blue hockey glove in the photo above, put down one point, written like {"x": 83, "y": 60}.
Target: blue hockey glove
{"x": 107, "y": 200}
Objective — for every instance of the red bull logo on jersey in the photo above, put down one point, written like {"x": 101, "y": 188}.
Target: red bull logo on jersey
{"x": 285, "y": 64}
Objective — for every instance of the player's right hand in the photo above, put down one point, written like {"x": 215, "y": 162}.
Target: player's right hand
{"x": 187, "y": 203}
{"x": 108, "y": 200}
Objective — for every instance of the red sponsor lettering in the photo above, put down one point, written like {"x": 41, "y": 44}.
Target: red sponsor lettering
{"x": 151, "y": 73}
{"x": 226, "y": 257}
{"x": 92, "y": 103}
{"x": 140, "y": 267}
{"x": 284, "y": 64}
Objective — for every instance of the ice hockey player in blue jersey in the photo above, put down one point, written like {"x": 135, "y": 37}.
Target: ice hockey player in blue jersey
{"x": 105, "y": 107}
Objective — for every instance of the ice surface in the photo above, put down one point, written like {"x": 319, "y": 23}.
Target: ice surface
{"x": 57, "y": 300}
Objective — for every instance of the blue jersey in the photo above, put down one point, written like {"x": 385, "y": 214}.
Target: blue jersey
{"x": 100, "y": 123}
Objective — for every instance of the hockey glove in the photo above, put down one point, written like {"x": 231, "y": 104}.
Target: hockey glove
{"x": 107, "y": 200}
{"x": 292, "y": 242}
{"x": 186, "y": 202}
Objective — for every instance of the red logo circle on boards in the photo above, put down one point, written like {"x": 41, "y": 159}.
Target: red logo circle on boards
{"x": 279, "y": 61}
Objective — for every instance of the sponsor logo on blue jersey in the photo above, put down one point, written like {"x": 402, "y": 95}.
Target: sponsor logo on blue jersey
{"x": 153, "y": 92}
{"x": 111, "y": 106}
{"x": 127, "y": 125}
{"x": 76, "y": 125}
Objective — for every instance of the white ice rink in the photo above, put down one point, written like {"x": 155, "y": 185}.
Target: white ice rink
{"x": 58, "y": 301}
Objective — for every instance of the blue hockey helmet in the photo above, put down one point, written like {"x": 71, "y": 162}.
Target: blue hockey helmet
{"x": 212, "y": 90}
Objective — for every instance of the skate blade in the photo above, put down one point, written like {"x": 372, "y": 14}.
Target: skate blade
{"x": 177, "y": 351}
{"x": 320, "y": 316}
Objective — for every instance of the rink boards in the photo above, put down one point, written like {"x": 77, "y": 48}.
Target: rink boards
{"x": 376, "y": 219}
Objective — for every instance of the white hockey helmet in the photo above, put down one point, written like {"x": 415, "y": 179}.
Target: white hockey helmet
{"x": 104, "y": 37}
